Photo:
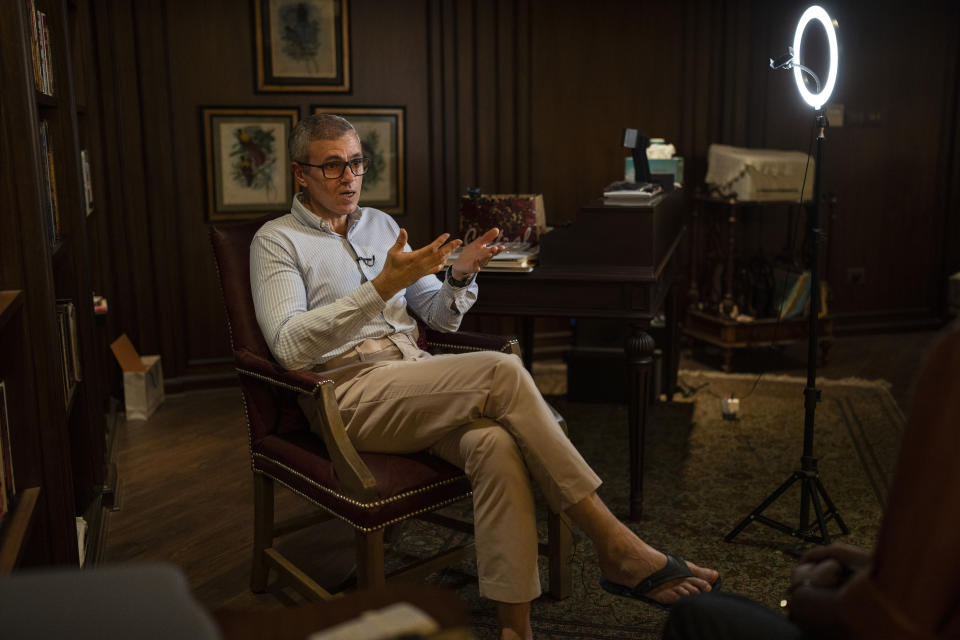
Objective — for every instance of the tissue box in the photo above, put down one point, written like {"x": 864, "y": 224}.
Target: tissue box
{"x": 142, "y": 379}
{"x": 672, "y": 166}
{"x": 760, "y": 175}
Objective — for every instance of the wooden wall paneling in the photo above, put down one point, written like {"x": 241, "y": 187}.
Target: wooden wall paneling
{"x": 947, "y": 204}
{"x": 450, "y": 117}
{"x": 211, "y": 63}
{"x": 116, "y": 72}
{"x": 437, "y": 97}
{"x": 884, "y": 172}
{"x": 162, "y": 228}
{"x": 103, "y": 274}
{"x": 504, "y": 157}
{"x": 40, "y": 328}
{"x": 523, "y": 96}
{"x": 486, "y": 95}
{"x": 465, "y": 35}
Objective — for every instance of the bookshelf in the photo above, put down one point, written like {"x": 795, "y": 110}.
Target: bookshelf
{"x": 51, "y": 367}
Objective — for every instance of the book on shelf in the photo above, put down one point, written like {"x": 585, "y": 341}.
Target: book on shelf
{"x": 8, "y": 486}
{"x": 51, "y": 207}
{"x": 791, "y": 290}
{"x": 792, "y": 294}
{"x": 69, "y": 349}
{"x": 40, "y": 49}
{"x": 87, "y": 181}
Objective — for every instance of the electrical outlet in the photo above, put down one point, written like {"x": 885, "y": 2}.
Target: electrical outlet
{"x": 855, "y": 275}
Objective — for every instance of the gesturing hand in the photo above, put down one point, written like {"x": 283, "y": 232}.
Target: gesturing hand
{"x": 403, "y": 268}
{"x": 476, "y": 255}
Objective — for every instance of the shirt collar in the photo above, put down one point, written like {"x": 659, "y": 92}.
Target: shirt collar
{"x": 311, "y": 219}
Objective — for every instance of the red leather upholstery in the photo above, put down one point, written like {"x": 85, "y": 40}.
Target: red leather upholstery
{"x": 282, "y": 446}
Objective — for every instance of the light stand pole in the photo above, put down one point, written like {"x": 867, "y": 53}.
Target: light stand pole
{"x": 811, "y": 489}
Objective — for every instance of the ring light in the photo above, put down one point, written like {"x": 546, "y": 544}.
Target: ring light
{"x": 816, "y": 100}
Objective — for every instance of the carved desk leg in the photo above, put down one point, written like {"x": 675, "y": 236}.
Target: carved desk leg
{"x": 727, "y": 305}
{"x": 693, "y": 292}
{"x": 671, "y": 350}
{"x": 639, "y": 349}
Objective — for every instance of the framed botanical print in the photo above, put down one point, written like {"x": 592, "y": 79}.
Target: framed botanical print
{"x": 302, "y": 45}
{"x": 381, "y": 136}
{"x": 247, "y": 163}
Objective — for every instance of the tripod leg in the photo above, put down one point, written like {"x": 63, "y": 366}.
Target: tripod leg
{"x": 831, "y": 509}
{"x": 763, "y": 506}
{"x": 810, "y": 484}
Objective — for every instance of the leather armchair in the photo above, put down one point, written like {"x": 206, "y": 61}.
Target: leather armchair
{"x": 297, "y": 439}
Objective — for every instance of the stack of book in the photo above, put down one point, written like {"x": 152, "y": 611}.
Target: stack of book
{"x": 49, "y": 184}
{"x": 630, "y": 193}
{"x": 40, "y": 49}
{"x": 69, "y": 351}
{"x": 518, "y": 257}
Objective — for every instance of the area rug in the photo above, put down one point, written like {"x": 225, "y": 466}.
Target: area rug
{"x": 704, "y": 474}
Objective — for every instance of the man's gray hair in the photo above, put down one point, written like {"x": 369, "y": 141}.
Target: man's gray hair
{"x": 319, "y": 126}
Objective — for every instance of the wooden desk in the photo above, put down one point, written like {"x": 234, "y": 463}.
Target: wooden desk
{"x": 296, "y": 623}
{"x": 612, "y": 262}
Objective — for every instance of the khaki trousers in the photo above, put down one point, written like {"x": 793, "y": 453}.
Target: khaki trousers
{"x": 482, "y": 412}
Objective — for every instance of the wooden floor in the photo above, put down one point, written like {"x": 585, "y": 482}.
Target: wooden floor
{"x": 186, "y": 488}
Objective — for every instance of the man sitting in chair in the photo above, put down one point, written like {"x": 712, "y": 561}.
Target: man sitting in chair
{"x": 332, "y": 283}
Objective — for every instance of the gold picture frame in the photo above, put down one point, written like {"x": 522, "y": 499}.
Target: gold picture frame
{"x": 302, "y": 46}
{"x": 247, "y": 161}
{"x": 381, "y": 132}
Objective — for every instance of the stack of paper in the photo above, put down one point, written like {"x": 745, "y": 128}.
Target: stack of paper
{"x": 516, "y": 256}
{"x": 636, "y": 193}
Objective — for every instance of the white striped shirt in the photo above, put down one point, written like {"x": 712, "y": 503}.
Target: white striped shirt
{"x": 313, "y": 295}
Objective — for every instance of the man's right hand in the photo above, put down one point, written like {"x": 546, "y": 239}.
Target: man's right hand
{"x": 403, "y": 268}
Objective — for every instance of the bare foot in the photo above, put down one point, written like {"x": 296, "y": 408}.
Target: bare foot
{"x": 631, "y": 560}
{"x": 514, "y": 621}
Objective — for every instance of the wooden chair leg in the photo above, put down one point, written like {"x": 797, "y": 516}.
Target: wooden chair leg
{"x": 262, "y": 531}
{"x": 370, "y": 567}
{"x": 560, "y": 541}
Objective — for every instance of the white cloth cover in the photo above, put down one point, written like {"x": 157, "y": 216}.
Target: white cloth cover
{"x": 763, "y": 175}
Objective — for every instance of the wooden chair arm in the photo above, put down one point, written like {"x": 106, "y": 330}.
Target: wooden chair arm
{"x": 321, "y": 410}
{"x": 302, "y": 381}
{"x": 466, "y": 341}
{"x": 319, "y": 404}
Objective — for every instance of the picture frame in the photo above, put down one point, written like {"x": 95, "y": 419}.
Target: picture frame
{"x": 302, "y": 46}
{"x": 247, "y": 162}
{"x": 381, "y": 132}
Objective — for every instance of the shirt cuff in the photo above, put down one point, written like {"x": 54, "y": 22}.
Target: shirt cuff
{"x": 459, "y": 284}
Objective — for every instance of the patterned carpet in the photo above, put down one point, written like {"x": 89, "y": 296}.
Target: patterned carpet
{"x": 704, "y": 474}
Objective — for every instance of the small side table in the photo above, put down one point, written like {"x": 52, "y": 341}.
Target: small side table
{"x": 713, "y": 321}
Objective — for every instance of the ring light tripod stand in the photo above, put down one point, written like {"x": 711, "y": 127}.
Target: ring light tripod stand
{"x": 811, "y": 489}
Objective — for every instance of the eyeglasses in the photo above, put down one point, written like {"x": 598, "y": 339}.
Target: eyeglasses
{"x": 334, "y": 168}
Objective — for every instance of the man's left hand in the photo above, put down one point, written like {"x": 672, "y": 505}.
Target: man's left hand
{"x": 476, "y": 255}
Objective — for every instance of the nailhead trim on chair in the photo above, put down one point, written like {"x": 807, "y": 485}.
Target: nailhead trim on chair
{"x": 363, "y": 505}
{"x": 351, "y": 522}
{"x": 275, "y": 382}
{"x": 459, "y": 347}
